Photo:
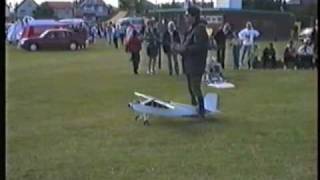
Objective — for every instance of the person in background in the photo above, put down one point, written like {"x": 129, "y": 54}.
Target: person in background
{"x": 171, "y": 37}
{"x": 161, "y": 29}
{"x": 94, "y": 32}
{"x": 247, "y": 36}
{"x": 269, "y": 56}
{"x": 129, "y": 32}
{"x": 152, "y": 41}
{"x": 109, "y": 32}
{"x": 305, "y": 54}
{"x": 212, "y": 45}
{"x": 115, "y": 35}
{"x": 221, "y": 36}
{"x": 290, "y": 56}
{"x": 236, "y": 46}
{"x": 134, "y": 47}
{"x": 194, "y": 51}
{"x": 314, "y": 39}
{"x": 122, "y": 34}
{"x": 253, "y": 57}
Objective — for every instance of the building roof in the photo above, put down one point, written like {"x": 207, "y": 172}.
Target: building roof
{"x": 59, "y": 4}
{"x": 24, "y": 2}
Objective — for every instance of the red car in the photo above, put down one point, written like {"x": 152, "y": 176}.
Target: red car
{"x": 55, "y": 39}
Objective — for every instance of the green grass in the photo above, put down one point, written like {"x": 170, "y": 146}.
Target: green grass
{"x": 67, "y": 119}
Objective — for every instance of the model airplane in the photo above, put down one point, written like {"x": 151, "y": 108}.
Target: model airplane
{"x": 152, "y": 106}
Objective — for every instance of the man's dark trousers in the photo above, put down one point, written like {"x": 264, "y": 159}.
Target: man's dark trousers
{"x": 194, "y": 87}
{"x": 221, "y": 55}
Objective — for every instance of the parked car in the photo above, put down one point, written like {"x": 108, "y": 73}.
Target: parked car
{"x": 137, "y": 22}
{"x": 55, "y": 39}
{"x": 36, "y": 27}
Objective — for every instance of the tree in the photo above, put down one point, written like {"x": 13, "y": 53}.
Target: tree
{"x": 43, "y": 11}
{"x": 134, "y": 6}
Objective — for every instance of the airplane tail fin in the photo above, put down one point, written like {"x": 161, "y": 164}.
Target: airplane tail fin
{"x": 211, "y": 102}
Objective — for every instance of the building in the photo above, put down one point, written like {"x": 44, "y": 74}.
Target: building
{"x": 93, "y": 10}
{"x": 228, "y": 4}
{"x": 61, "y": 9}
{"x": 25, "y": 8}
{"x": 7, "y": 11}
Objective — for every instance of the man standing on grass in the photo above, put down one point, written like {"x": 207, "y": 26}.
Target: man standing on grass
{"x": 247, "y": 36}
{"x": 194, "y": 50}
{"x": 221, "y": 36}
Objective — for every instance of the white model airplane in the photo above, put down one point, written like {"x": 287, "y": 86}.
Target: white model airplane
{"x": 152, "y": 106}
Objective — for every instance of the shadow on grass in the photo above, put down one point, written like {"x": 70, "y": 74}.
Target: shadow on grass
{"x": 190, "y": 125}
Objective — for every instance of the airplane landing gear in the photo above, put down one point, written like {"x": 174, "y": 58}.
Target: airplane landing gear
{"x": 143, "y": 117}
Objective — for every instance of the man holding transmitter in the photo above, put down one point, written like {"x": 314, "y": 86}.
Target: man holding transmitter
{"x": 194, "y": 50}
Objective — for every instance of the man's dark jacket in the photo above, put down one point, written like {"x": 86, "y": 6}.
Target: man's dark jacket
{"x": 196, "y": 42}
{"x": 220, "y": 38}
{"x": 167, "y": 42}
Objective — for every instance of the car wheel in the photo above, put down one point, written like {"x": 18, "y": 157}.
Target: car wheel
{"x": 73, "y": 46}
{"x": 33, "y": 47}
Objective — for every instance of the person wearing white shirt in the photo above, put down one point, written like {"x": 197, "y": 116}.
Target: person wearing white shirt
{"x": 247, "y": 37}
{"x": 305, "y": 53}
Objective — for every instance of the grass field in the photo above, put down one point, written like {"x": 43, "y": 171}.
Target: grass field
{"x": 67, "y": 119}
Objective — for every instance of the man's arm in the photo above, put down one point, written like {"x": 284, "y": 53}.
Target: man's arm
{"x": 201, "y": 41}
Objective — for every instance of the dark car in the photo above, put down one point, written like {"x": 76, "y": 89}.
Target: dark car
{"x": 55, "y": 39}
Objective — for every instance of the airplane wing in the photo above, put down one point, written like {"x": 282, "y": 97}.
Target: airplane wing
{"x": 154, "y": 99}
{"x": 143, "y": 96}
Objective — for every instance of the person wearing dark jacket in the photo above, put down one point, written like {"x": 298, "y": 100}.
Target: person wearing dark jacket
{"x": 134, "y": 47}
{"x": 171, "y": 37}
{"x": 221, "y": 36}
{"x": 269, "y": 56}
{"x": 194, "y": 50}
{"x": 152, "y": 38}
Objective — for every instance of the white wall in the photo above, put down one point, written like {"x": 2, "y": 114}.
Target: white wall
{"x": 235, "y": 4}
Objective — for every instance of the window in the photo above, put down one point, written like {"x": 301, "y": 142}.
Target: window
{"x": 156, "y": 105}
{"x": 51, "y": 35}
{"x": 100, "y": 9}
{"x": 61, "y": 35}
{"x": 22, "y": 11}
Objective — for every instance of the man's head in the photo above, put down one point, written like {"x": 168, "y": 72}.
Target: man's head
{"x": 192, "y": 15}
{"x": 134, "y": 33}
{"x": 249, "y": 25}
{"x": 271, "y": 45}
